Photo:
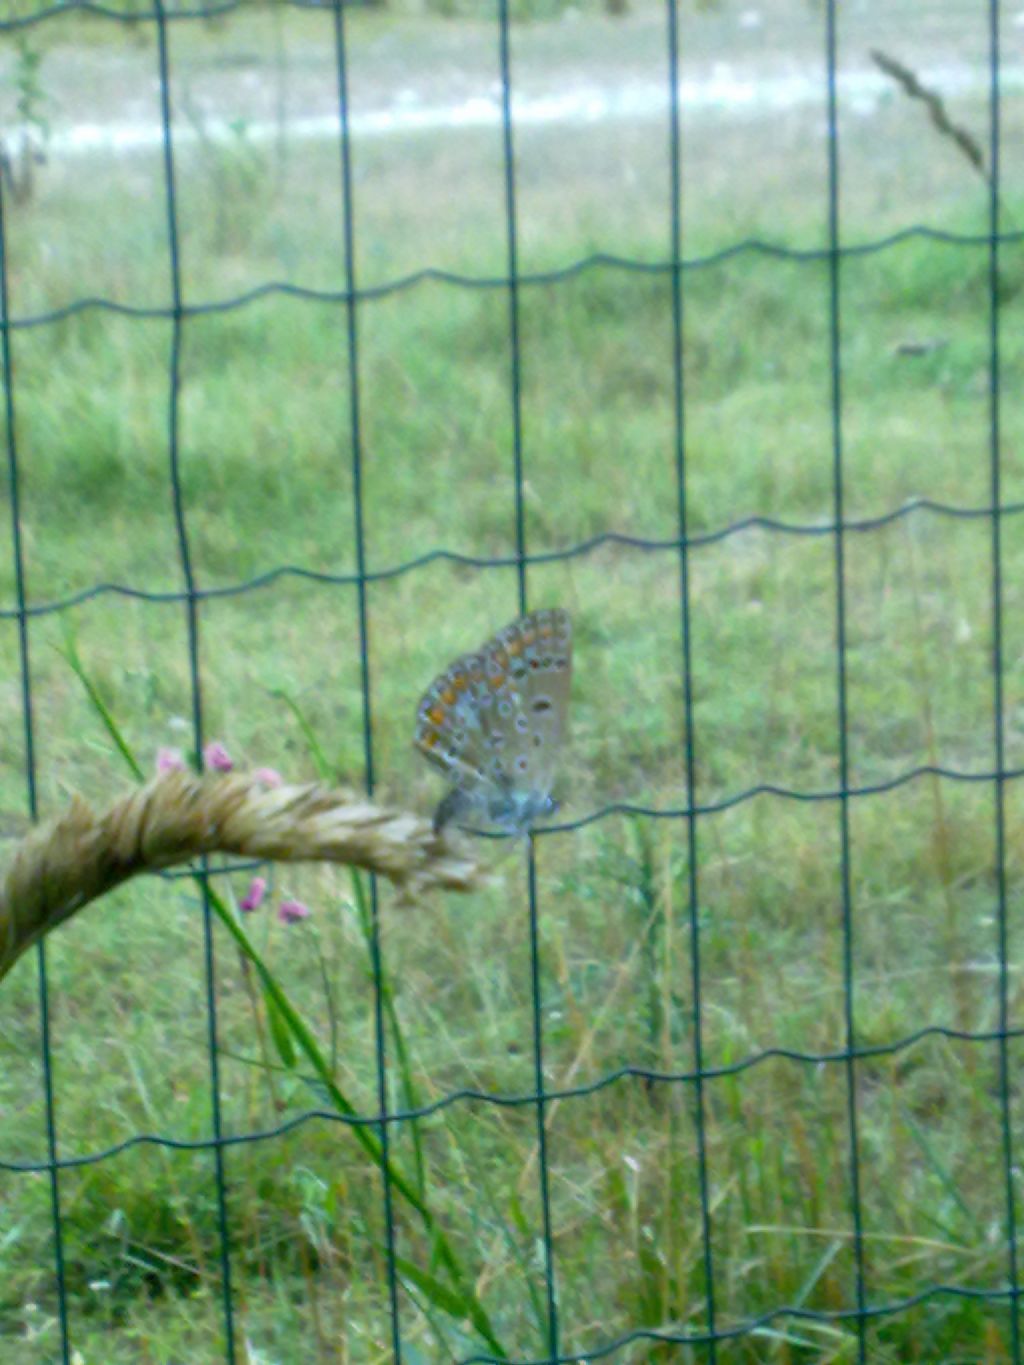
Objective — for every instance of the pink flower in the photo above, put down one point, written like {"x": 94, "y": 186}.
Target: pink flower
{"x": 270, "y": 777}
{"x": 257, "y": 890}
{"x": 290, "y": 912}
{"x": 217, "y": 757}
{"x": 169, "y": 760}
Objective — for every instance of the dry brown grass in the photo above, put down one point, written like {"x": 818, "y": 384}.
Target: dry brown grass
{"x": 63, "y": 865}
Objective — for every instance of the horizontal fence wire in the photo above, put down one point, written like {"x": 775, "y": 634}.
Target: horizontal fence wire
{"x": 837, "y": 526}
{"x": 604, "y": 540}
{"x": 468, "y": 1095}
{"x": 557, "y": 275}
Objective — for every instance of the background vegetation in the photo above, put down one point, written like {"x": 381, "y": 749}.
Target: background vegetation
{"x": 266, "y": 465}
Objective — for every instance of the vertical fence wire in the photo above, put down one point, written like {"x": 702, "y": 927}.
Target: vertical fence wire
{"x": 842, "y": 709}
{"x": 686, "y": 623}
{"x": 516, "y": 398}
{"x": 192, "y": 622}
{"x": 998, "y": 711}
{"x": 31, "y": 790}
{"x": 356, "y": 438}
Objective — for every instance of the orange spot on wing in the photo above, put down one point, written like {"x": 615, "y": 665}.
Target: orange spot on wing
{"x": 447, "y": 696}
{"x": 436, "y": 714}
{"x": 429, "y": 739}
{"x": 497, "y": 681}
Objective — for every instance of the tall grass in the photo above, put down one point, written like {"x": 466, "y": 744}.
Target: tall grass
{"x": 266, "y": 465}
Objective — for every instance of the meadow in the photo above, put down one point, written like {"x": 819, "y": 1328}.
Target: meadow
{"x": 263, "y": 426}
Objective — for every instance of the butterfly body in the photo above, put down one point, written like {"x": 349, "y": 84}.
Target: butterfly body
{"x": 494, "y": 723}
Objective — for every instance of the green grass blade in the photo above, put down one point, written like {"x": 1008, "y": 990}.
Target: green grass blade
{"x": 285, "y": 1020}
{"x": 439, "y": 1294}
{"x": 71, "y": 656}
{"x": 323, "y": 768}
{"x": 364, "y": 1135}
{"x": 456, "y": 1305}
{"x": 279, "y": 1032}
{"x": 409, "y": 1093}
{"x": 942, "y": 1173}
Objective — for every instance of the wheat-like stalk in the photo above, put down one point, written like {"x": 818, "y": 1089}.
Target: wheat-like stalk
{"x": 63, "y": 865}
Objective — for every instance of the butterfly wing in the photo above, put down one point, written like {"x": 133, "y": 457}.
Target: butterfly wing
{"x": 535, "y": 655}
{"x": 495, "y": 720}
{"x": 454, "y": 723}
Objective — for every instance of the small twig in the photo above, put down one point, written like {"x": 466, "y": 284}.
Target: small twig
{"x": 937, "y": 112}
{"x": 62, "y": 866}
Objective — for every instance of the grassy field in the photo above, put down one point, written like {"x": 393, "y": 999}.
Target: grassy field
{"x": 266, "y": 464}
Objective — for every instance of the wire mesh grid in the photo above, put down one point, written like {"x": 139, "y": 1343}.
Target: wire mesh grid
{"x": 708, "y": 1334}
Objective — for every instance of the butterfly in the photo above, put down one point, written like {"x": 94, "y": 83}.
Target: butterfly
{"x": 494, "y": 723}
